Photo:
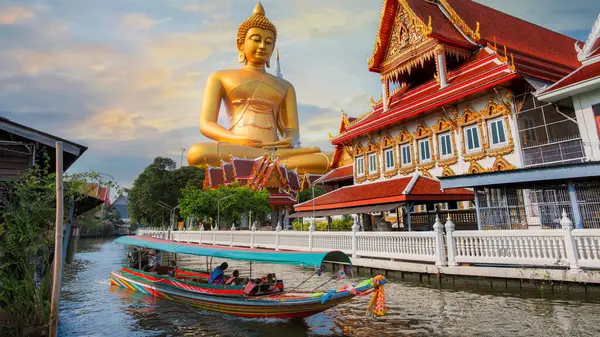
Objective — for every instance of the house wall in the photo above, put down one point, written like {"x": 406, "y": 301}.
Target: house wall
{"x": 431, "y": 125}
{"x": 586, "y": 120}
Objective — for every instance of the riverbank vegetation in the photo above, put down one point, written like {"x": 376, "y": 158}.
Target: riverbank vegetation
{"x": 27, "y": 218}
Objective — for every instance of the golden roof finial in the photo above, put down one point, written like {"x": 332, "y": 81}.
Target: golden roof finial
{"x": 495, "y": 46}
{"x": 505, "y": 54}
{"x": 277, "y": 54}
{"x": 259, "y": 9}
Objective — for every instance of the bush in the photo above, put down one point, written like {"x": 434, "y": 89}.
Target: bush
{"x": 336, "y": 225}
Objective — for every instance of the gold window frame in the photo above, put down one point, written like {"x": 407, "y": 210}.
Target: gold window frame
{"x": 405, "y": 138}
{"x": 359, "y": 151}
{"x": 373, "y": 148}
{"x": 493, "y": 110}
{"x": 388, "y": 142}
{"x": 468, "y": 118}
{"x": 423, "y": 132}
{"x": 443, "y": 125}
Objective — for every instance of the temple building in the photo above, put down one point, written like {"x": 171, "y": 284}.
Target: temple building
{"x": 472, "y": 98}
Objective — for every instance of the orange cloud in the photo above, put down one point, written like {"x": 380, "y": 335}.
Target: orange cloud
{"x": 13, "y": 15}
{"x": 138, "y": 21}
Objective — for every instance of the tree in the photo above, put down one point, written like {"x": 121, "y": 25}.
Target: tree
{"x": 160, "y": 181}
{"x": 234, "y": 202}
{"x": 307, "y": 194}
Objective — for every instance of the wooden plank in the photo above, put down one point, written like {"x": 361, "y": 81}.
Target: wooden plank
{"x": 15, "y": 159}
{"x": 18, "y": 166}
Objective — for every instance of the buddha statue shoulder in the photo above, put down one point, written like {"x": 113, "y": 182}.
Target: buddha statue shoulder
{"x": 261, "y": 108}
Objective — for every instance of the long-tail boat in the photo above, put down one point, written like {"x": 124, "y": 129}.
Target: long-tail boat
{"x": 191, "y": 286}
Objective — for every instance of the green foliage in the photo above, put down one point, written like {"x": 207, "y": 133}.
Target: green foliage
{"x": 344, "y": 224}
{"x": 235, "y": 201}
{"x": 27, "y": 236}
{"x": 307, "y": 194}
{"x": 160, "y": 181}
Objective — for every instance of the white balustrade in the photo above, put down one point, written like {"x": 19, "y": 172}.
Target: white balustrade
{"x": 567, "y": 247}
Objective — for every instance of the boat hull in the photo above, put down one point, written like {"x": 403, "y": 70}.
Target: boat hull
{"x": 270, "y": 306}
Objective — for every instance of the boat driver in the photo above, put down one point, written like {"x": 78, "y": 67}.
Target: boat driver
{"x": 218, "y": 276}
{"x": 155, "y": 261}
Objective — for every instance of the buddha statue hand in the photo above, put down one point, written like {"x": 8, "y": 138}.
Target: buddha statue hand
{"x": 243, "y": 140}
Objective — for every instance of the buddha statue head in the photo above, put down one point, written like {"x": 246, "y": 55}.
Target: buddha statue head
{"x": 256, "y": 38}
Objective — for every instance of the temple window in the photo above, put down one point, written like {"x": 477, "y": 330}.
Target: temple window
{"x": 424, "y": 150}
{"x": 472, "y": 138}
{"x": 445, "y": 145}
{"x": 372, "y": 163}
{"x": 497, "y": 132}
{"x": 406, "y": 156}
{"x": 388, "y": 155}
{"x": 359, "y": 165}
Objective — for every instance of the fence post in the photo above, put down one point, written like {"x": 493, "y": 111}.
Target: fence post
{"x": 355, "y": 229}
{"x": 214, "y": 233}
{"x": 570, "y": 245}
{"x": 440, "y": 255}
{"x": 450, "y": 244}
{"x": 277, "y": 230}
{"x": 232, "y": 233}
{"x": 252, "y": 229}
{"x": 311, "y": 229}
{"x": 189, "y": 232}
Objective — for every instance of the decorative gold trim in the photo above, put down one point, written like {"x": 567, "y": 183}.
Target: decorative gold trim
{"x": 423, "y": 131}
{"x": 405, "y": 138}
{"x": 458, "y": 22}
{"x": 444, "y": 125}
{"x": 447, "y": 172}
{"x": 501, "y": 164}
{"x": 426, "y": 173}
{"x": 475, "y": 168}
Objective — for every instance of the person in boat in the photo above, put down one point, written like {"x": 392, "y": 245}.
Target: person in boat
{"x": 234, "y": 279}
{"x": 218, "y": 276}
{"x": 271, "y": 281}
{"x": 154, "y": 262}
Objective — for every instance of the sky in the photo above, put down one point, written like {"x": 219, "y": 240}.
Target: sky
{"x": 126, "y": 77}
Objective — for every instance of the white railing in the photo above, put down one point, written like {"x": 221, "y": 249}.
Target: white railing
{"x": 566, "y": 247}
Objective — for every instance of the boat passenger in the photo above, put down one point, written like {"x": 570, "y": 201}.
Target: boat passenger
{"x": 217, "y": 276}
{"x": 155, "y": 261}
{"x": 234, "y": 279}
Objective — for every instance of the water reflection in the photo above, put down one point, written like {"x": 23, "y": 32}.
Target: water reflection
{"x": 91, "y": 307}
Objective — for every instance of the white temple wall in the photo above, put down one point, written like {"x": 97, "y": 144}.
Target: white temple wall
{"x": 430, "y": 121}
{"x": 583, "y": 104}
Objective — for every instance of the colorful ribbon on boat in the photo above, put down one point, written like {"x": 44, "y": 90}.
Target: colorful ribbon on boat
{"x": 377, "y": 305}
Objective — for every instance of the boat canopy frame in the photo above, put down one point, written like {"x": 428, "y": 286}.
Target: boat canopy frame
{"x": 296, "y": 258}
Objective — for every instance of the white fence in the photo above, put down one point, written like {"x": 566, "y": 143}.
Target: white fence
{"x": 573, "y": 248}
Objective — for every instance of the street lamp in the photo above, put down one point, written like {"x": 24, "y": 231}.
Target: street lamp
{"x": 181, "y": 163}
{"x": 170, "y": 209}
{"x": 219, "y": 209}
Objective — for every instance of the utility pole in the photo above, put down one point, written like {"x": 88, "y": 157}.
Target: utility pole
{"x": 181, "y": 163}
{"x": 58, "y": 242}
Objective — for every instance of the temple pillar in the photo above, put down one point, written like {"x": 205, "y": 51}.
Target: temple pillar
{"x": 385, "y": 89}
{"x": 440, "y": 61}
{"x": 274, "y": 216}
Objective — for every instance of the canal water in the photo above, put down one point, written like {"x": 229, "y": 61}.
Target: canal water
{"x": 90, "y": 306}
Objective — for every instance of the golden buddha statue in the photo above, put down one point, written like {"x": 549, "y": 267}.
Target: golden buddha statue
{"x": 261, "y": 108}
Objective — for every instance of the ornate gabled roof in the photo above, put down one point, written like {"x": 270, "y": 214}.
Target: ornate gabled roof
{"x": 485, "y": 69}
{"x": 468, "y": 25}
{"x": 227, "y": 171}
{"x": 339, "y": 174}
{"x": 242, "y": 167}
{"x": 213, "y": 177}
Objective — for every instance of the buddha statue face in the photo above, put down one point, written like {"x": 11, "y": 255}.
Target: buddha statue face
{"x": 258, "y": 46}
{"x": 256, "y": 38}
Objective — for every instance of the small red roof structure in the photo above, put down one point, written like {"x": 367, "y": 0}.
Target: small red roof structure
{"x": 585, "y": 77}
{"x": 339, "y": 174}
{"x": 409, "y": 188}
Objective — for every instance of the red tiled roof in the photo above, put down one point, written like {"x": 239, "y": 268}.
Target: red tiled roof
{"x": 441, "y": 27}
{"x": 100, "y": 193}
{"x": 519, "y": 35}
{"x": 215, "y": 176}
{"x": 481, "y": 72}
{"x": 340, "y": 173}
{"x": 227, "y": 169}
{"x": 422, "y": 189}
{"x": 584, "y": 73}
{"x": 242, "y": 168}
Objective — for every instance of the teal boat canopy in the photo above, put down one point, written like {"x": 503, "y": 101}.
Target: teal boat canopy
{"x": 296, "y": 258}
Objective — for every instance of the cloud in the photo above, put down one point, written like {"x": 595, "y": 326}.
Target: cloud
{"x": 15, "y": 15}
{"x": 138, "y": 21}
